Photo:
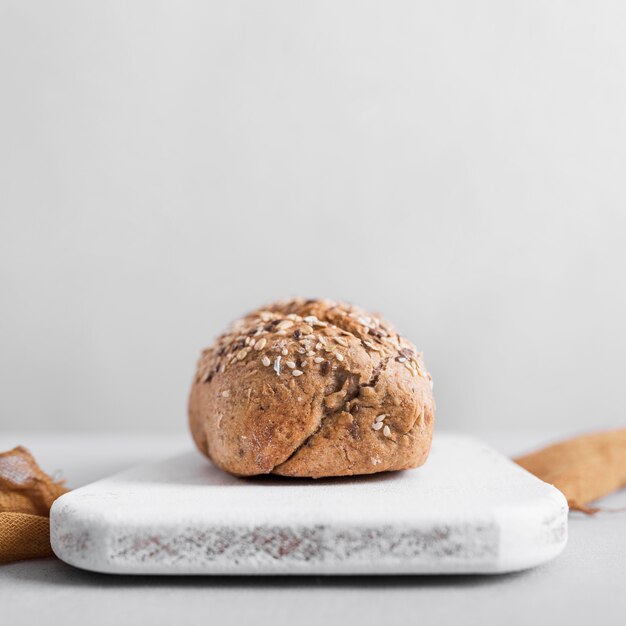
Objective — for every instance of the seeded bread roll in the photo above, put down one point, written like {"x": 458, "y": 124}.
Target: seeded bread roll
{"x": 312, "y": 388}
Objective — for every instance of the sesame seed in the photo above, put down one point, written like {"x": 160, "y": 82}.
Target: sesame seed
{"x": 306, "y": 329}
{"x": 377, "y": 425}
{"x": 318, "y": 359}
{"x": 260, "y": 344}
{"x": 386, "y": 430}
{"x": 285, "y": 324}
{"x": 341, "y": 341}
{"x": 290, "y": 364}
{"x": 311, "y": 319}
{"x": 282, "y": 333}
{"x": 339, "y": 356}
{"x": 310, "y": 353}
{"x": 225, "y": 393}
{"x": 318, "y": 345}
{"x": 297, "y": 373}
{"x": 284, "y": 352}
{"x": 380, "y": 418}
{"x": 242, "y": 354}
{"x": 277, "y": 365}
{"x": 303, "y": 363}
{"x": 401, "y": 359}
{"x": 265, "y": 360}
{"x": 371, "y": 346}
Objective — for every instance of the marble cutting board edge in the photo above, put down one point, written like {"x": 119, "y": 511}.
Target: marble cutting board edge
{"x": 468, "y": 510}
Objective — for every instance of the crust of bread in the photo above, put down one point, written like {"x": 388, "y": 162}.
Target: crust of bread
{"x": 312, "y": 388}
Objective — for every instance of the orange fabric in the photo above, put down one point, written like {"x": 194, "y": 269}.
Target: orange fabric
{"x": 584, "y": 468}
{"x": 26, "y": 495}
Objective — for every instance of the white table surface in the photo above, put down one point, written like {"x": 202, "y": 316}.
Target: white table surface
{"x": 586, "y": 584}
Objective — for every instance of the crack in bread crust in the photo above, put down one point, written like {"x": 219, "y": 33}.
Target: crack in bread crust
{"x": 341, "y": 378}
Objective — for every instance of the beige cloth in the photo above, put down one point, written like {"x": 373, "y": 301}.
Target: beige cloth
{"x": 26, "y": 495}
{"x": 584, "y": 468}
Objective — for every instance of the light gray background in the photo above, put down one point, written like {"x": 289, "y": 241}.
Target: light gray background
{"x": 166, "y": 166}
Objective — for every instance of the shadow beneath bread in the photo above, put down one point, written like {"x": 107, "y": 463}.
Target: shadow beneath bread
{"x": 192, "y": 469}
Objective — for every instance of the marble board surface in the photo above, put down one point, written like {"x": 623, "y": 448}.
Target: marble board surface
{"x": 468, "y": 510}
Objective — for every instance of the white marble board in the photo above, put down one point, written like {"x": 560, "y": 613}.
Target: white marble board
{"x": 468, "y": 510}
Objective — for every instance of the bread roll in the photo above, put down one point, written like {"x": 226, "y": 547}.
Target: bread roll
{"x": 312, "y": 388}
